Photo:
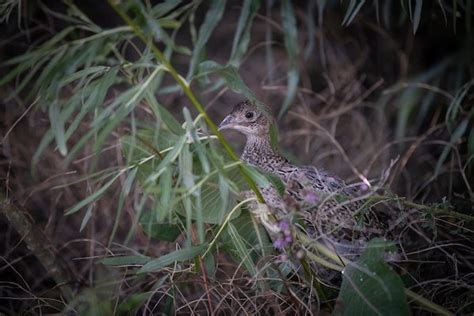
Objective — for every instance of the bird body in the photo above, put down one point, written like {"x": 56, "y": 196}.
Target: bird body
{"x": 331, "y": 208}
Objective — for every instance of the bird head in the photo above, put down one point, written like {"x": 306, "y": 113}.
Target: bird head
{"x": 248, "y": 118}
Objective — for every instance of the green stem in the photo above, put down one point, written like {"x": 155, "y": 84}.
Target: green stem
{"x": 187, "y": 91}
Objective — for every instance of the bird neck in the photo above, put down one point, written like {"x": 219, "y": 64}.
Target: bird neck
{"x": 259, "y": 153}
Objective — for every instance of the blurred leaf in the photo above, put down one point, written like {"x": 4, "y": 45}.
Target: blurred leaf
{"x": 370, "y": 286}
{"x": 455, "y": 137}
{"x": 147, "y": 142}
{"x": 45, "y": 49}
{"x": 164, "y": 115}
{"x": 311, "y": 26}
{"x": 242, "y": 33}
{"x": 132, "y": 303}
{"x": 257, "y": 176}
{"x": 199, "y": 147}
{"x": 247, "y": 242}
{"x": 321, "y": 6}
{"x": 454, "y": 108}
{"x": 242, "y": 249}
{"x": 264, "y": 180}
{"x": 470, "y": 145}
{"x": 159, "y": 231}
{"x": 170, "y": 157}
{"x": 407, "y": 105}
{"x": 86, "y": 217}
{"x": 57, "y": 125}
{"x": 166, "y": 192}
{"x": 142, "y": 149}
{"x": 155, "y": 26}
{"x": 6, "y": 8}
{"x": 91, "y": 198}
{"x": 213, "y": 207}
{"x": 124, "y": 193}
{"x": 274, "y": 135}
{"x": 213, "y": 16}
{"x": 175, "y": 256}
{"x": 276, "y": 183}
{"x": 230, "y": 75}
{"x": 210, "y": 265}
{"x": 290, "y": 34}
{"x": 417, "y": 14}
{"x": 163, "y": 8}
{"x": 125, "y": 260}
{"x": 352, "y": 10}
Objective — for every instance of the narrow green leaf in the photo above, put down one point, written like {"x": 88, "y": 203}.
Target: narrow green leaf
{"x": 186, "y": 201}
{"x": 242, "y": 33}
{"x": 470, "y": 145}
{"x": 241, "y": 249}
{"x": 311, "y": 26}
{"x": 175, "y": 256}
{"x": 199, "y": 147}
{"x": 44, "y": 50}
{"x": 454, "y": 108}
{"x": 213, "y": 16}
{"x": 407, "y": 103}
{"x": 166, "y": 185}
{"x": 95, "y": 93}
{"x": 269, "y": 59}
{"x": 159, "y": 230}
{"x": 230, "y": 75}
{"x": 125, "y": 260}
{"x": 57, "y": 126}
{"x": 258, "y": 177}
{"x": 169, "y": 158}
{"x": 210, "y": 265}
{"x": 457, "y": 134}
{"x": 44, "y": 143}
{"x": 291, "y": 44}
{"x": 132, "y": 303}
{"x": 164, "y": 115}
{"x": 124, "y": 193}
{"x": 91, "y": 198}
{"x": 321, "y": 6}
{"x": 352, "y": 10}
{"x": 417, "y": 15}
{"x": 165, "y": 7}
{"x": 86, "y": 217}
{"x": 95, "y": 70}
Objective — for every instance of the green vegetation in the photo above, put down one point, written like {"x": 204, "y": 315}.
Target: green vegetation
{"x": 119, "y": 188}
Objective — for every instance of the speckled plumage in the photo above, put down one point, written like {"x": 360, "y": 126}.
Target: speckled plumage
{"x": 331, "y": 208}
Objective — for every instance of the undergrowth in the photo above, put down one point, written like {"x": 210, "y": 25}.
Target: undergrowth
{"x": 122, "y": 195}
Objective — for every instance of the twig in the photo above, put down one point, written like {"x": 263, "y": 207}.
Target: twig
{"x": 19, "y": 119}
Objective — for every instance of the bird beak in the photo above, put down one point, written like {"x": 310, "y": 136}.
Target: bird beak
{"x": 226, "y": 123}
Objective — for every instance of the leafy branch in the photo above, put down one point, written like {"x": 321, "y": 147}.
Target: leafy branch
{"x": 188, "y": 92}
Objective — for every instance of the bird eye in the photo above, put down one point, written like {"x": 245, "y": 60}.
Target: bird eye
{"x": 249, "y": 115}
